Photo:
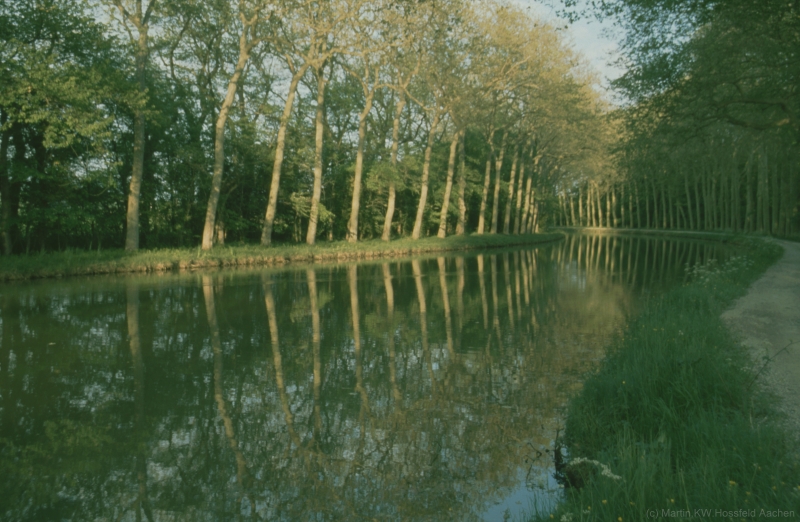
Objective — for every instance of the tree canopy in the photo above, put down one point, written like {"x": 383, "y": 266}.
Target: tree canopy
{"x": 174, "y": 123}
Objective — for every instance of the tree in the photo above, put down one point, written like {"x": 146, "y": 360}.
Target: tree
{"x": 136, "y": 17}
{"x": 248, "y": 39}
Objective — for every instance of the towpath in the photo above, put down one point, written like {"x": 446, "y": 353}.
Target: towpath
{"x": 768, "y": 320}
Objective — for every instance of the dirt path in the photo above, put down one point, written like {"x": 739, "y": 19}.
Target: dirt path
{"x": 768, "y": 319}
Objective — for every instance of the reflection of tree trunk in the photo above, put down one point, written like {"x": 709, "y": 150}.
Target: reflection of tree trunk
{"x": 460, "y": 297}
{"x": 132, "y": 312}
{"x": 525, "y": 279}
{"x": 517, "y": 284}
{"x": 352, "y": 279}
{"x": 495, "y": 303}
{"x": 387, "y": 284}
{"x": 277, "y": 361}
{"x": 423, "y": 321}
{"x": 242, "y": 475}
{"x": 315, "y": 341}
{"x": 448, "y": 325}
{"x": 506, "y": 280}
{"x": 483, "y": 293}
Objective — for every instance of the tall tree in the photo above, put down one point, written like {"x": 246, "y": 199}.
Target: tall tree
{"x": 136, "y": 17}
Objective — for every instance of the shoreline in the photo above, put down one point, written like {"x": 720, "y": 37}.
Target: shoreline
{"x": 82, "y": 263}
{"x": 676, "y": 415}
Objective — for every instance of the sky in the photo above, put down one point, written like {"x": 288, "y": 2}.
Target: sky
{"x": 587, "y": 38}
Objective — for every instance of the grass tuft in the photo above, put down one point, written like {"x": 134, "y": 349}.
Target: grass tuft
{"x": 676, "y": 412}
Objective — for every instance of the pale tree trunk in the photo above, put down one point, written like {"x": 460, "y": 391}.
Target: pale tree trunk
{"x": 485, "y": 196}
{"x": 572, "y": 210}
{"x": 526, "y": 205}
{"x": 448, "y": 187}
{"x": 139, "y": 21}
{"x": 518, "y": 206}
{"x": 498, "y": 168}
{"x": 352, "y": 223}
{"x": 313, "y": 216}
{"x": 272, "y": 202}
{"x": 599, "y": 207}
{"x": 486, "y": 181}
{"x": 387, "y": 222}
{"x": 219, "y": 139}
{"x": 510, "y": 200}
{"x": 462, "y": 188}
{"x": 423, "y": 191}
{"x": 531, "y": 217}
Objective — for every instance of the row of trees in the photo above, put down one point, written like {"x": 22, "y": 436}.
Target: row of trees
{"x": 711, "y": 128}
{"x": 175, "y": 123}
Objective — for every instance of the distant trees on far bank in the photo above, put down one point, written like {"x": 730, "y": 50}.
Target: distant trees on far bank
{"x": 710, "y": 137}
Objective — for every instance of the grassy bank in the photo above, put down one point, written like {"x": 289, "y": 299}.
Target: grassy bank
{"x": 61, "y": 264}
{"x": 674, "y": 420}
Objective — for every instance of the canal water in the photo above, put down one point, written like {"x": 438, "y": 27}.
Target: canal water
{"x": 426, "y": 389}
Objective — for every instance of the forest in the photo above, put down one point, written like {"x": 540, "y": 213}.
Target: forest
{"x": 174, "y": 123}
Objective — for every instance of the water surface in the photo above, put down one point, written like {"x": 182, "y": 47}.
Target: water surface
{"x": 430, "y": 389}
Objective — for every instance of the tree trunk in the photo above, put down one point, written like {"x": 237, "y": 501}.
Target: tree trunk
{"x": 510, "y": 200}
{"x": 135, "y": 188}
{"x": 387, "y": 222}
{"x": 448, "y": 186}
{"x": 272, "y": 202}
{"x": 518, "y": 202}
{"x": 319, "y": 123}
{"x": 498, "y": 170}
{"x": 485, "y": 194}
{"x": 423, "y": 191}
{"x": 462, "y": 188}
{"x": 352, "y": 223}
{"x": 219, "y": 141}
{"x": 572, "y": 210}
{"x": 526, "y": 214}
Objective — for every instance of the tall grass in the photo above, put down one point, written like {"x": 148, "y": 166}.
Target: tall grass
{"x": 71, "y": 262}
{"x": 678, "y": 417}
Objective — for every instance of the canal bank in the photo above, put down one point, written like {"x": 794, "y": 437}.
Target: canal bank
{"x": 676, "y": 418}
{"x": 74, "y": 263}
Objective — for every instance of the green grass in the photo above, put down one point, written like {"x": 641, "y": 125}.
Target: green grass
{"x": 677, "y": 414}
{"x": 69, "y": 263}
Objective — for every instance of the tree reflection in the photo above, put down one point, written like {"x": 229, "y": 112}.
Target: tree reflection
{"x": 387, "y": 395}
{"x": 142, "y": 503}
